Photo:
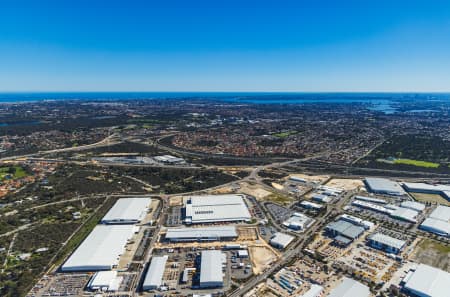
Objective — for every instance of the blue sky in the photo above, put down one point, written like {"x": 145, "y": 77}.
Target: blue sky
{"x": 225, "y": 45}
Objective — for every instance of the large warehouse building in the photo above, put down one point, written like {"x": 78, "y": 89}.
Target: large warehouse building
{"x": 154, "y": 277}
{"x": 201, "y": 234}
{"x": 427, "y": 281}
{"x": 344, "y": 232}
{"x": 281, "y": 240}
{"x": 211, "y": 275}
{"x": 387, "y": 243}
{"x": 105, "y": 281}
{"x": 383, "y": 186}
{"x": 101, "y": 249}
{"x": 350, "y": 288}
{"x": 443, "y": 190}
{"x": 127, "y": 211}
{"x": 216, "y": 208}
{"x": 438, "y": 221}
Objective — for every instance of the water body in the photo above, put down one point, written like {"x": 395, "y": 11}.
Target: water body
{"x": 383, "y": 102}
{"x": 19, "y": 123}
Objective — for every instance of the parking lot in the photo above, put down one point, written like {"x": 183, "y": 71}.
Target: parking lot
{"x": 279, "y": 213}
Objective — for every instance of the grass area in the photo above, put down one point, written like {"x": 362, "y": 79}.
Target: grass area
{"x": 417, "y": 163}
{"x": 433, "y": 253}
{"x": 14, "y": 172}
{"x": 280, "y": 199}
{"x": 432, "y": 198}
{"x": 285, "y": 134}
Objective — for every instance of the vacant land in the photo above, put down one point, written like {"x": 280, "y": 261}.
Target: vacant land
{"x": 432, "y": 198}
{"x": 280, "y": 199}
{"x": 433, "y": 253}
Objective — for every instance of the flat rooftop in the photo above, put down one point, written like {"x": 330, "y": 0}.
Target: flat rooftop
{"x": 216, "y": 208}
{"x": 101, "y": 249}
{"x": 201, "y": 233}
{"x": 127, "y": 210}
{"x": 428, "y": 281}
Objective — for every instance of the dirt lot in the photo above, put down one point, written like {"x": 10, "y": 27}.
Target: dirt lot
{"x": 345, "y": 184}
{"x": 176, "y": 201}
{"x": 261, "y": 257}
{"x": 433, "y": 198}
{"x": 432, "y": 253}
{"x": 254, "y": 190}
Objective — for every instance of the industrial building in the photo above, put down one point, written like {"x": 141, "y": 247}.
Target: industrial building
{"x": 383, "y": 186}
{"x": 397, "y": 212}
{"x": 357, "y": 221}
{"x": 443, "y": 190}
{"x": 371, "y": 199}
{"x": 298, "y": 222}
{"x": 169, "y": 159}
{"x": 201, "y": 234}
{"x": 215, "y": 208}
{"x": 127, "y": 211}
{"x": 281, "y": 240}
{"x": 105, "y": 281}
{"x": 350, "y": 288}
{"x": 438, "y": 221}
{"x": 314, "y": 291}
{"x": 427, "y": 281}
{"x": 321, "y": 198}
{"x": 387, "y": 243}
{"x": 405, "y": 214}
{"x": 101, "y": 249}
{"x": 311, "y": 205}
{"x": 211, "y": 275}
{"x": 297, "y": 179}
{"x": 344, "y": 232}
{"x": 419, "y": 207}
{"x": 154, "y": 277}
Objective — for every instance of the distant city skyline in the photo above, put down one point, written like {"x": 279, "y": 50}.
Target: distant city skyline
{"x": 232, "y": 46}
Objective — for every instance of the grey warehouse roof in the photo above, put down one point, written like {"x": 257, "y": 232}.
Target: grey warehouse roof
{"x": 127, "y": 210}
{"x": 384, "y": 185}
{"x": 211, "y": 267}
{"x": 199, "y": 233}
{"x": 388, "y": 240}
{"x": 154, "y": 276}
{"x": 350, "y": 288}
{"x": 101, "y": 249}
{"x": 429, "y": 281}
{"x": 346, "y": 229}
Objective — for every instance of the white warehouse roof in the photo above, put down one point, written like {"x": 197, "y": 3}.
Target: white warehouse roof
{"x": 438, "y": 221}
{"x": 428, "y": 281}
{"x": 105, "y": 281}
{"x": 413, "y": 205}
{"x": 207, "y": 233}
{"x": 436, "y": 226}
{"x": 350, "y": 288}
{"x": 216, "y": 208}
{"x": 441, "y": 213}
{"x": 388, "y": 240}
{"x": 127, "y": 211}
{"x": 281, "y": 240}
{"x": 155, "y": 272}
{"x": 211, "y": 268}
{"x": 101, "y": 249}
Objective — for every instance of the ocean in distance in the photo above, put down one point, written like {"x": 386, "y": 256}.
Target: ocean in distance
{"x": 377, "y": 101}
